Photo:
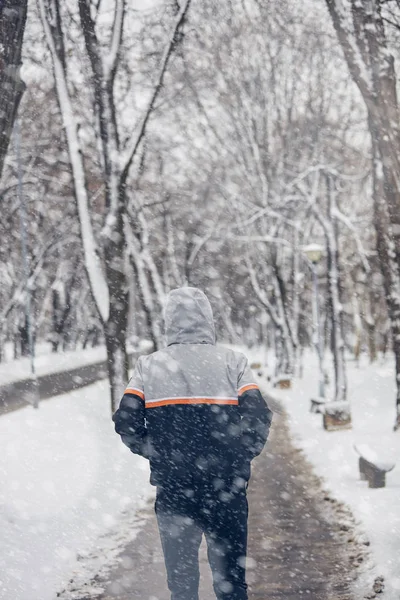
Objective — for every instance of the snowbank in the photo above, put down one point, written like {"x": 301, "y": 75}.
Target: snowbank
{"x": 48, "y": 362}
{"x": 65, "y": 480}
{"x": 372, "y": 400}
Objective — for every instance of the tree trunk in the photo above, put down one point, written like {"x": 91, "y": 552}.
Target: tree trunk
{"x": 56, "y": 309}
{"x": 23, "y": 337}
{"x": 285, "y": 347}
{"x": 60, "y": 309}
{"x": 226, "y": 318}
{"x": 372, "y": 68}
{"x": 371, "y": 341}
{"x": 387, "y": 262}
{"x": 12, "y": 26}
{"x": 369, "y": 323}
{"x": 147, "y": 299}
{"x": 115, "y": 328}
{"x": 334, "y": 304}
{"x": 296, "y": 293}
{"x": 279, "y": 352}
{"x": 357, "y": 321}
{"x": 334, "y": 299}
{"x": 117, "y": 358}
{"x": 2, "y": 352}
{"x": 289, "y": 341}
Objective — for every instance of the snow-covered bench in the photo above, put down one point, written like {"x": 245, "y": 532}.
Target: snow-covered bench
{"x": 336, "y": 415}
{"x": 372, "y": 468}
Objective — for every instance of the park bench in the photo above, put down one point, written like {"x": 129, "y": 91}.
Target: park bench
{"x": 256, "y": 366}
{"x": 372, "y": 469}
{"x": 336, "y": 415}
{"x": 284, "y": 382}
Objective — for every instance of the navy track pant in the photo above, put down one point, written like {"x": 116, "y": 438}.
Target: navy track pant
{"x": 183, "y": 515}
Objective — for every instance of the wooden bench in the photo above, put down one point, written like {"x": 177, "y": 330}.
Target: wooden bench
{"x": 256, "y": 366}
{"x": 317, "y": 405}
{"x": 372, "y": 469}
{"x": 336, "y": 415}
{"x": 284, "y": 382}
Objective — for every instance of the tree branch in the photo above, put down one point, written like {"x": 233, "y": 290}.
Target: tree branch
{"x": 129, "y": 154}
{"x": 356, "y": 62}
{"x": 110, "y": 63}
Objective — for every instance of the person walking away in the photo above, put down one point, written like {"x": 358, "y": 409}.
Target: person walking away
{"x": 194, "y": 410}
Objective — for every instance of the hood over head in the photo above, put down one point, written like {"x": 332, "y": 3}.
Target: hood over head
{"x": 188, "y": 317}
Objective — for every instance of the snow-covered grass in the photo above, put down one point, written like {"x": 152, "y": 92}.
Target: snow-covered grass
{"x": 372, "y": 397}
{"x": 65, "y": 479}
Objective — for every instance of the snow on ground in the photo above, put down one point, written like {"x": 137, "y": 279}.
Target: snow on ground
{"x": 70, "y": 489}
{"x": 372, "y": 395}
{"x": 47, "y": 362}
{"x": 66, "y": 479}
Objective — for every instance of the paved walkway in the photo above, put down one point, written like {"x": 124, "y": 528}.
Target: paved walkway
{"x": 23, "y": 392}
{"x": 294, "y": 552}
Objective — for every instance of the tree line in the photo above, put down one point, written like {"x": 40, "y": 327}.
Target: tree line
{"x": 204, "y": 144}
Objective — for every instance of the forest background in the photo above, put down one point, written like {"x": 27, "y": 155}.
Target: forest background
{"x": 151, "y": 145}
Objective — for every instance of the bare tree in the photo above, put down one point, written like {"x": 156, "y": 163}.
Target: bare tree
{"x": 251, "y": 109}
{"x": 108, "y": 284}
{"x": 12, "y": 26}
{"x": 361, "y": 30}
{"x": 329, "y": 226}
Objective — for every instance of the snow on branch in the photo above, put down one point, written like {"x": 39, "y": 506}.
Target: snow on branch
{"x": 148, "y": 259}
{"x": 54, "y": 37}
{"x": 326, "y": 168}
{"x": 346, "y": 221}
{"x": 130, "y": 152}
{"x": 261, "y": 295}
{"x": 337, "y": 214}
{"x": 200, "y": 243}
{"x": 263, "y": 238}
{"x": 22, "y": 286}
{"x": 347, "y": 35}
{"x": 110, "y": 62}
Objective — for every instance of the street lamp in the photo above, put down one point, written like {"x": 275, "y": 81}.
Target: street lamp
{"x": 314, "y": 253}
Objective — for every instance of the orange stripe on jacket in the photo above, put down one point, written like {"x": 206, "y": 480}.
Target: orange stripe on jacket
{"x": 250, "y": 386}
{"x": 134, "y": 391}
{"x": 168, "y": 401}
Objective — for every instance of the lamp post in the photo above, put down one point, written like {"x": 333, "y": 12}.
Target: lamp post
{"x": 314, "y": 254}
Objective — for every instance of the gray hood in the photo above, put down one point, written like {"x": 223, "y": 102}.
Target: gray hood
{"x": 188, "y": 317}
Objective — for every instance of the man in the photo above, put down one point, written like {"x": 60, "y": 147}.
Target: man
{"x": 195, "y": 411}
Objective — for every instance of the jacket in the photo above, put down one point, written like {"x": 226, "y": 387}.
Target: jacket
{"x": 193, "y": 408}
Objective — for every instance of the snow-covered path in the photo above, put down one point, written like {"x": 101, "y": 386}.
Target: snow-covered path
{"x": 296, "y": 547}
{"x": 65, "y": 479}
